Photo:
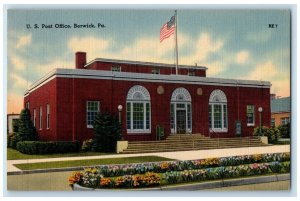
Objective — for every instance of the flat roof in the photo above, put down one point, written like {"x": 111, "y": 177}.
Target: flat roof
{"x": 280, "y": 105}
{"x": 144, "y": 77}
{"x": 142, "y": 63}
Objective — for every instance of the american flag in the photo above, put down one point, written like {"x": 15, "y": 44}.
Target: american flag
{"x": 168, "y": 29}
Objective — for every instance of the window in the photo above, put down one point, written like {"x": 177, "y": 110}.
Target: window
{"x": 41, "y": 117}
{"x": 250, "y": 115}
{"x": 34, "y": 117}
{"x": 155, "y": 71}
{"x": 138, "y": 110}
{"x": 217, "y": 111}
{"x": 92, "y": 109}
{"x": 273, "y": 123}
{"x": 191, "y": 73}
{"x": 27, "y": 105}
{"x": 285, "y": 120}
{"x": 48, "y": 115}
{"x": 116, "y": 68}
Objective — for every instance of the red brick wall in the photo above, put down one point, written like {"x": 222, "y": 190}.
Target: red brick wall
{"x": 72, "y": 95}
{"x": 42, "y": 96}
{"x": 142, "y": 69}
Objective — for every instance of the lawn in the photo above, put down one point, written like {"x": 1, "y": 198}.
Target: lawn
{"x": 93, "y": 162}
{"x": 13, "y": 154}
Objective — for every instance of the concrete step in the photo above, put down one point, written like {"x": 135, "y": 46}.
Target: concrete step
{"x": 186, "y": 142}
{"x": 186, "y": 149}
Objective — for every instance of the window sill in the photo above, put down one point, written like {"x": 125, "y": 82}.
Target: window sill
{"x": 218, "y": 130}
{"x": 250, "y": 125}
{"x": 88, "y": 126}
{"x": 129, "y": 132}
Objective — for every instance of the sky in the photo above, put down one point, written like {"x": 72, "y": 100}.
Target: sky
{"x": 234, "y": 44}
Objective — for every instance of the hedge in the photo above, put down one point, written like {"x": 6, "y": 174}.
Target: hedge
{"x": 51, "y": 147}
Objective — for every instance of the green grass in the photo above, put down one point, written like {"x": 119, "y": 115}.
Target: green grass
{"x": 13, "y": 154}
{"x": 93, "y": 162}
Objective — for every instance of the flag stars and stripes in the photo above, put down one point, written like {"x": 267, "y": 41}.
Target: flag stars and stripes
{"x": 168, "y": 29}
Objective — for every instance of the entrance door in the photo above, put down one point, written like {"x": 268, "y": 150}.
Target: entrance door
{"x": 181, "y": 121}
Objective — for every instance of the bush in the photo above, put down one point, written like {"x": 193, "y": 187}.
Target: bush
{"x": 107, "y": 130}
{"x": 285, "y": 130}
{"x": 12, "y": 141}
{"x": 36, "y": 147}
{"x": 25, "y": 131}
{"x": 273, "y": 134}
{"x": 87, "y": 145}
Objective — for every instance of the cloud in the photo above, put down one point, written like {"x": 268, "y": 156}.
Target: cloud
{"x": 242, "y": 57}
{"x": 18, "y": 81}
{"x": 265, "y": 71}
{"x": 17, "y": 62}
{"x": 259, "y": 37}
{"x": 204, "y": 46}
{"x": 268, "y": 71}
{"x": 93, "y": 46}
{"x": 23, "y": 41}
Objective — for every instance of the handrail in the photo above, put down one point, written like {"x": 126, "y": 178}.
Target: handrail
{"x": 212, "y": 131}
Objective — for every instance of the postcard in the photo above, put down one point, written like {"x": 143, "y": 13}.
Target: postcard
{"x": 148, "y": 99}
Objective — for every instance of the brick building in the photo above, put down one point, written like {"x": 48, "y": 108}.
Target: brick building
{"x": 64, "y": 102}
{"x": 280, "y": 111}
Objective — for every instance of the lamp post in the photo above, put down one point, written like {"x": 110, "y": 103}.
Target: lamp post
{"x": 120, "y": 108}
{"x": 260, "y": 109}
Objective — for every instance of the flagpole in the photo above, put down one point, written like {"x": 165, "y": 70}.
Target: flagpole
{"x": 176, "y": 45}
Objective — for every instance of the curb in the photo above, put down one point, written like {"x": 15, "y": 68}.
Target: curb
{"x": 204, "y": 185}
{"x": 47, "y": 170}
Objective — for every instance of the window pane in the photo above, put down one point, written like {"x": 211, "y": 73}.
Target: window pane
{"x": 147, "y": 116}
{"x": 225, "y": 116}
{"x": 250, "y": 114}
{"x": 217, "y": 116}
{"x": 189, "y": 116}
{"x": 128, "y": 116}
{"x": 92, "y": 110}
{"x": 138, "y": 115}
{"x": 172, "y": 116}
{"x": 209, "y": 116}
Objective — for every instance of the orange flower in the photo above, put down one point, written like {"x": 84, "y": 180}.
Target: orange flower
{"x": 105, "y": 182}
{"x": 74, "y": 178}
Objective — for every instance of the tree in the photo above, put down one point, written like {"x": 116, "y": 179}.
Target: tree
{"x": 26, "y": 131}
{"x": 107, "y": 131}
{"x": 285, "y": 130}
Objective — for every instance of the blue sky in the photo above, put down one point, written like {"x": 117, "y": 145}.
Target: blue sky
{"x": 234, "y": 44}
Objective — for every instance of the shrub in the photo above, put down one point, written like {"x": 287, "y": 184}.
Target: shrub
{"x": 107, "y": 130}
{"x": 285, "y": 130}
{"x": 12, "y": 141}
{"x": 51, "y": 147}
{"x": 87, "y": 145}
{"x": 24, "y": 129}
{"x": 273, "y": 134}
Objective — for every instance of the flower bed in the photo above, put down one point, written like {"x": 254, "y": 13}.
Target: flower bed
{"x": 154, "y": 174}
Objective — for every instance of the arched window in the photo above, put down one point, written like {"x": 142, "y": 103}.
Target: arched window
{"x": 181, "y": 111}
{"x": 138, "y": 110}
{"x": 218, "y": 111}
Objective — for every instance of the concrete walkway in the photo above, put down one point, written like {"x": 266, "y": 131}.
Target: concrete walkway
{"x": 181, "y": 155}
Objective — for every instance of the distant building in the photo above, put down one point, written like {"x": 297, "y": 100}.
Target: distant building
{"x": 10, "y": 119}
{"x": 280, "y": 111}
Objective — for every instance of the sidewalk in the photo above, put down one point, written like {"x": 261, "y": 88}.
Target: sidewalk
{"x": 181, "y": 155}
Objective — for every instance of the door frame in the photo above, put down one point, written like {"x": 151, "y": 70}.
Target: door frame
{"x": 186, "y": 103}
